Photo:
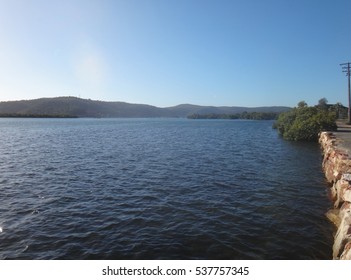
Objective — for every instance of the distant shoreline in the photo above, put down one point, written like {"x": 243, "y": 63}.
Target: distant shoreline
{"x": 37, "y": 116}
{"x": 64, "y": 107}
{"x": 238, "y": 116}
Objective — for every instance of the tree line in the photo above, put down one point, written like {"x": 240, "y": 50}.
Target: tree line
{"x": 304, "y": 123}
{"x": 244, "y": 115}
{"x": 19, "y": 115}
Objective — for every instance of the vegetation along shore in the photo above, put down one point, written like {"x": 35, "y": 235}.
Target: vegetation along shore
{"x": 304, "y": 123}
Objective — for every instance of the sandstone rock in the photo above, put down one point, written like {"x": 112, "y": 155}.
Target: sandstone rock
{"x": 345, "y": 209}
{"x": 337, "y": 168}
{"x": 343, "y": 234}
{"x": 346, "y": 255}
{"x": 346, "y": 177}
{"x": 346, "y": 194}
{"x": 342, "y": 187}
{"x": 332, "y": 194}
{"x": 333, "y": 216}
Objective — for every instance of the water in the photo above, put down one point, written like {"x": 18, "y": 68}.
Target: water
{"x": 159, "y": 189}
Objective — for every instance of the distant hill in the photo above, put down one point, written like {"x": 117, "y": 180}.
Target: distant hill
{"x": 78, "y": 107}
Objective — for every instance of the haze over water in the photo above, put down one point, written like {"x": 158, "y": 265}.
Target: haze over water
{"x": 159, "y": 189}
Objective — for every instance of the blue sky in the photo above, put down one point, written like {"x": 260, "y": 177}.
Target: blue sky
{"x": 168, "y": 52}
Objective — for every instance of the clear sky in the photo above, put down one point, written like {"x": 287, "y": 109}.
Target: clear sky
{"x": 168, "y": 52}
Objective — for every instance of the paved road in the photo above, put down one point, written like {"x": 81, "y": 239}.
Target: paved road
{"x": 344, "y": 135}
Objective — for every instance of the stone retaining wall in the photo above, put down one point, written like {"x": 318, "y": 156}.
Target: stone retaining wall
{"x": 337, "y": 169}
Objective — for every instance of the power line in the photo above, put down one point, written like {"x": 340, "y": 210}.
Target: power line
{"x": 346, "y": 69}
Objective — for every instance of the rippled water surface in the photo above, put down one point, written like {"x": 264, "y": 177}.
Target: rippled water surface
{"x": 159, "y": 189}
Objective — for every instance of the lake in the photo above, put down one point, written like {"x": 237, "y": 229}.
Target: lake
{"x": 159, "y": 189}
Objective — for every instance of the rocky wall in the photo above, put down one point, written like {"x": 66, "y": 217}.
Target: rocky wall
{"x": 337, "y": 169}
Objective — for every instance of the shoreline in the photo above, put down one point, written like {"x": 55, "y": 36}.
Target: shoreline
{"x": 337, "y": 169}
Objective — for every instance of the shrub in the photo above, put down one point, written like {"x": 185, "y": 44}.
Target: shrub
{"x": 305, "y": 123}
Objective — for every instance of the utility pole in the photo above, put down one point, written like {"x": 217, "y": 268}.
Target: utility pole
{"x": 346, "y": 69}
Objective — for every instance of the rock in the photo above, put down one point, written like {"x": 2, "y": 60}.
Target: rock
{"x": 343, "y": 236}
{"x": 333, "y": 216}
{"x": 332, "y": 193}
{"x": 345, "y": 209}
{"x": 343, "y": 190}
{"x": 346, "y": 255}
{"x": 346, "y": 193}
{"x": 337, "y": 169}
{"x": 346, "y": 177}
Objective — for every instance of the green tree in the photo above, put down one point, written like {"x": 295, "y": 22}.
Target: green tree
{"x": 323, "y": 103}
{"x": 302, "y": 104}
{"x": 304, "y": 123}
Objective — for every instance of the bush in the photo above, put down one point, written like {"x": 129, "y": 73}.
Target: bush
{"x": 305, "y": 123}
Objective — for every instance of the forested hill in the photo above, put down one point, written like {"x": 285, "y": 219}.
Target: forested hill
{"x": 78, "y": 107}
